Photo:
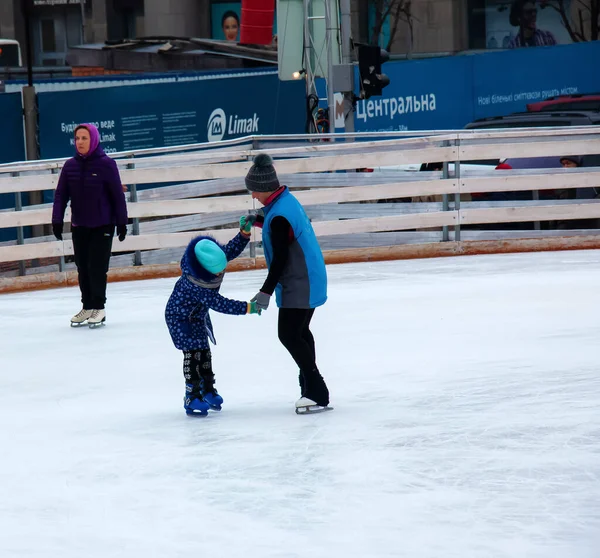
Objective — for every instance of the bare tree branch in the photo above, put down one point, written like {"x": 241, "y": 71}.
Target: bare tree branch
{"x": 559, "y": 6}
{"x": 586, "y": 6}
{"x": 396, "y": 11}
{"x": 401, "y": 13}
{"x": 577, "y": 31}
{"x": 581, "y": 26}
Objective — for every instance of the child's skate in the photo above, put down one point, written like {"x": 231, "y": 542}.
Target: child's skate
{"x": 209, "y": 392}
{"x": 193, "y": 403}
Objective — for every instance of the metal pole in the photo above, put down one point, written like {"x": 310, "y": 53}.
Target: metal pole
{"x": 30, "y": 111}
{"x": 457, "y": 195}
{"x": 26, "y": 5}
{"x": 445, "y": 206}
{"x": 20, "y": 236}
{"x": 29, "y": 98}
{"x": 308, "y": 68}
{"x": 346, "y": 30}
{"x": 535, "y": 196}
{"x": 330, "y": 92}
{"x": 82, "y": 4}
{"x": 137, "y": 256}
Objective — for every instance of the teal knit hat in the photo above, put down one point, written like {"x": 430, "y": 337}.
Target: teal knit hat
{"x": 210, "y": 256}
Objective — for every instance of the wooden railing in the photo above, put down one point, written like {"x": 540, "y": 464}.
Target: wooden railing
{"x": 206, "y": 188}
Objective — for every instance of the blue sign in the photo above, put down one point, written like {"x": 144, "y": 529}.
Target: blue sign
{"x": 448, "y": 93}
{"x": 12, "y": 147}
{"x": 430, "y": 94}
{"x": 12, "y": 144}
{"x": 169, "y": 114}
{"x": 505, "y": 82}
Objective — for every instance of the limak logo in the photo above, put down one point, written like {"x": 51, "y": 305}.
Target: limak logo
{"x": 218, "y": 126}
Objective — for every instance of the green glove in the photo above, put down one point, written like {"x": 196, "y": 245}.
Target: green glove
{"x": 253, "y": 308}
{"x": 246, "y": 223}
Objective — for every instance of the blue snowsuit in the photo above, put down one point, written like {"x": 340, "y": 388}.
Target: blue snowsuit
{"x": 197, "y": 291}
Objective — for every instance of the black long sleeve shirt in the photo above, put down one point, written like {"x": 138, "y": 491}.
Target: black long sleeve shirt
{"x": 281, "y": 238}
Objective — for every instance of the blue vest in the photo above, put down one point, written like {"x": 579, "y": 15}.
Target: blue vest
{"x": 303, "y": 283}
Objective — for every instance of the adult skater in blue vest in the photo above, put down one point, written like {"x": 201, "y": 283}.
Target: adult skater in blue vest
{"x": 296, "y": 274}
{"x": 195, "y": 293}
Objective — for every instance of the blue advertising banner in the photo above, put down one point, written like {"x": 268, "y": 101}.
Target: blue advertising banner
{"x": 12, "y": 147}
{"x": 12, "y": 144}
{"x": 142, "y": 116}
{"x": 504, "y": 82}
{"x": 448, "y": 93}
{"x": 422, "y": 95}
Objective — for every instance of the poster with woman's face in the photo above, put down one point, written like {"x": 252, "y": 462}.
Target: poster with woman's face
{"x": 225, "y": 21}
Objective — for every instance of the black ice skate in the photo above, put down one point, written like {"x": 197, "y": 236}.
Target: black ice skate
{"x": 314, "y": 393}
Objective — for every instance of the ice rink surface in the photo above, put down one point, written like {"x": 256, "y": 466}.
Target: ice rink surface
{"x": 466, "y": 422}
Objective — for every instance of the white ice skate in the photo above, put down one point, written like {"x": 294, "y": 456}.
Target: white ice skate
{"x": 97, "y": 319}
{"x": 306, "y": 406}
{"x": 81, "y": 318}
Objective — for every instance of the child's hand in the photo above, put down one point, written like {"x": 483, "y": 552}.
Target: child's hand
{"x": 253, "y": 308}
{"x": 246, "y": 222}
{"x": 262, "y": 300}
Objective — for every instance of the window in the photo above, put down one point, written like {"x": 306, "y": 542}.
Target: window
{"x": 48, "y": 35}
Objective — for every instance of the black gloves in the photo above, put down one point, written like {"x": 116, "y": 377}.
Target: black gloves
{"x": 57, "y": 230}
{"x": 122, "y": 232}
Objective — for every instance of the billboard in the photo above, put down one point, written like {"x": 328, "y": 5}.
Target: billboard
{"x": 169, "y": 114}
{"x": 448, "y": 93}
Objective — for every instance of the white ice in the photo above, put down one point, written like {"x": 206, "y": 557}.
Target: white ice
{"x": 466, "y": 422}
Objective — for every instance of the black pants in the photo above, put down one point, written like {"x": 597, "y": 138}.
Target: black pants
{"x": 92, "y": 248}
{"x": 197, "y": 371}
{"x": 295, "y": 335}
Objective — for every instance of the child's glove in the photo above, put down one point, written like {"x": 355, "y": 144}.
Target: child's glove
{"x": 253, "y": 308}
{"x": 262, "y": 300}
{"x": 246, "y": 222}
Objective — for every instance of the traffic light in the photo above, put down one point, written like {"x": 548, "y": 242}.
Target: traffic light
{"x": 370, "y": 59}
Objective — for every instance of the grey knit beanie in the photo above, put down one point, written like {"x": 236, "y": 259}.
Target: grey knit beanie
{"x": 262, "y": 176}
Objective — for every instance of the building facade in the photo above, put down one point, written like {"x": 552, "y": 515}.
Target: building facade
{"x": 410, "y": 27}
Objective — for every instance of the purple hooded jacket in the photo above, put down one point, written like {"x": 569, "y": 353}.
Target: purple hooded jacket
{"x": 93, "y": 185}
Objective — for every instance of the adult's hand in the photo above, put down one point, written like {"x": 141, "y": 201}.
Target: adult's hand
{"x": 57, "y": 230}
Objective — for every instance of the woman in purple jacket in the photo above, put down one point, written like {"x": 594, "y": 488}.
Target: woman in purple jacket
{"x": 91, "y": 181}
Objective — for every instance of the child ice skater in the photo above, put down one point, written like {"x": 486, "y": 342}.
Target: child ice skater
{"x": 195, "y": 293}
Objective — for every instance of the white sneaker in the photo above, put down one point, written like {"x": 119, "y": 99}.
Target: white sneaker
{"x": 81, "y": 317}
{"x": 97, "y": 318}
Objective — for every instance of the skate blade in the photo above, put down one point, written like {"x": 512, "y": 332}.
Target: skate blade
{"x": 80, "y": 324}
{"x": 312, "y": 410}
{"x": 215, "y": 408}
{"x": 195, "y": 414}
{"x": 96, "y": 326}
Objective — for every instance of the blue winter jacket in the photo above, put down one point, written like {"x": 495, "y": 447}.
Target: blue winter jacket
{"x": 197, "y": 291}
{"x": 303, "y": 283}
